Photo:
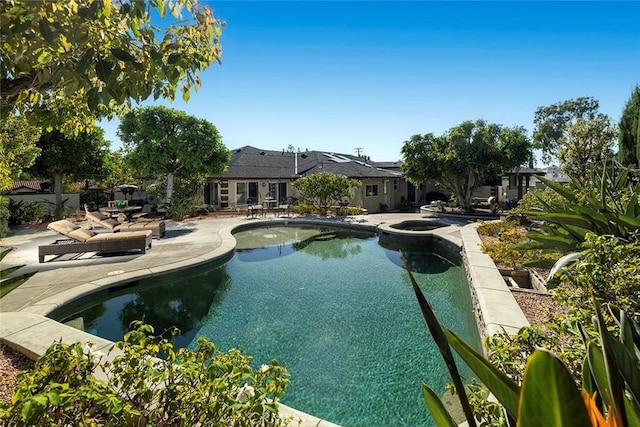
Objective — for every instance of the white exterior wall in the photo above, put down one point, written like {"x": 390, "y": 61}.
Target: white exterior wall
{"x": 48, "y": 201}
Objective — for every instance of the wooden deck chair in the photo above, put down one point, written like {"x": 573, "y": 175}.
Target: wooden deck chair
{"x": 79, "y": 240}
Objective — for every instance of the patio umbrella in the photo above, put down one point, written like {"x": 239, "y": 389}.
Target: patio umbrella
{"x": 127, "y": 189}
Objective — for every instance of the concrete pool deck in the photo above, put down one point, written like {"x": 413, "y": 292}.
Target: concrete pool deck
{"x": 25, "y": 327}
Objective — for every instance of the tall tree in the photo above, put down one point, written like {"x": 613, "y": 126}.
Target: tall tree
{"x": 118, "y": 171}
{"x": 66, "y": 63}
{"x": 629, "y": 137}
{"x": 467, "y": 156}
{"x": 18, "y": 148}
{"x": 566, "y": 129}
{"x": 324, "y": 189}
{"x": 165, "y": 141}
{"x": 587, "y": 143}
{"x": 74, "y": 158}
{"x": 18, "y": 151}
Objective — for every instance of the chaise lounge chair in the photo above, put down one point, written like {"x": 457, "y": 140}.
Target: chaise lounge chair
{"x": 80, "y": 240}
{"x": 97, "y": 218}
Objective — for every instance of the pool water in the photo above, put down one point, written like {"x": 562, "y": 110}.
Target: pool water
{"x": 334, "y": 307}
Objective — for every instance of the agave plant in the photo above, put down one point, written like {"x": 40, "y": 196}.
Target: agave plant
{"x": 548, "y": 395}
{"x": 606, "y": 203}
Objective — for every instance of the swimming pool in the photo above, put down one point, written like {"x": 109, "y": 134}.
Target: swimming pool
{"x": 334, "y": 307}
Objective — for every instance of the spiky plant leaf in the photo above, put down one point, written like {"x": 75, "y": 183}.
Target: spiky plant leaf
{"x": 549, "y": 395}
{"x": 438, "y": 412}
{"x": 614, "y": 377}
{"x": 502, "y": 387}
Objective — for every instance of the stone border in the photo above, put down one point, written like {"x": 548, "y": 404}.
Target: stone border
{"x": 496, "y": 308}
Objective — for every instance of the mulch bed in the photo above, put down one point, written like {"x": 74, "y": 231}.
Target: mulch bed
{"x": 11, "y": 362}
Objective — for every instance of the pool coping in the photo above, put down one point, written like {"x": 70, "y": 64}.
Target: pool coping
{"x": 30, "y": 332}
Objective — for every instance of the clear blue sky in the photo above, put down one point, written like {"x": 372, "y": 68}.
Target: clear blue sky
{"x": 342, "y": 75}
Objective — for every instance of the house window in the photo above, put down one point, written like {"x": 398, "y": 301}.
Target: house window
{"x": 278, "y": 190}
{"x": 246, "y": 191}
{"x": 371, "y": 190}
{"x": 211, "y": 193}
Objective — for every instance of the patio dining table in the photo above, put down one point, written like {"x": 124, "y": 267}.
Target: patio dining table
{"x": 124, "y": 213}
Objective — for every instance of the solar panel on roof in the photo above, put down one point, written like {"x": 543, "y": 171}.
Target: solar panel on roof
{"x": 336, "y": 158}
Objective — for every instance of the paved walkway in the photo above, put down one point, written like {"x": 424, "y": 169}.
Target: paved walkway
{"x": 187, "y": 244}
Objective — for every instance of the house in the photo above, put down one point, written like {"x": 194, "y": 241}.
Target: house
{"x": 254, "y": 174}
{"x": 28, "y": 187}
{"x": 553, "y": 173}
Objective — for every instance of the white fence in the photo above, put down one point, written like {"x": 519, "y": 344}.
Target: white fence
{"x": 48, "y": 201}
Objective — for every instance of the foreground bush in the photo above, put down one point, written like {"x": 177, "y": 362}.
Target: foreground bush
{"x": 505, "y": 251}
{"x": 548, "y": 395}
{"x": 203, "y": 386}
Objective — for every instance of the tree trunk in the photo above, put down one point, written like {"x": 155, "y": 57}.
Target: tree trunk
{"x": 463, "y": 189}
{"x": 169, "y": 187}
{"x": 57, "y": 189}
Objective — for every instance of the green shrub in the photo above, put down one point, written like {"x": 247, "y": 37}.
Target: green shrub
{"x": 4, "y": 216}
{"x": 16, "y": 212}
{"x": 495, "y": 228}
{"x": 349, "y": 210}
{"x": 34, "y": 211}
{"x": 305, "y": 209}
{"x": 180, "y": 207}
{"x": 538, "y": 199}
{"x": 607, "y": 203}
{"x": 548, "y": 393}
{"x": 183, "y": 388}
{"x": 609, "y": 269}
{"x": 506, "y": 252}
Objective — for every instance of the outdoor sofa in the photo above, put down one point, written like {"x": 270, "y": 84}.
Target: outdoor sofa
{"x": 98, "y": 218}
{"x": 79, "y": 240}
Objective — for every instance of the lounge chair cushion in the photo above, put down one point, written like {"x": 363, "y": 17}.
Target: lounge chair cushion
{"x": 129, "y": 235}
{"x": 63, "y": 226}
{"x": 102, "y": 220}
{"x": 99, "y": 216}
{"x": 81, "y": 234}
{"x": 109, "y": 223}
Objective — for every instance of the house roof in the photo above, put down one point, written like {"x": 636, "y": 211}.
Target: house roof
{"x": 22, "y": 184}
{"x": 251, "y": 162}
{"x": 525, "y": 171}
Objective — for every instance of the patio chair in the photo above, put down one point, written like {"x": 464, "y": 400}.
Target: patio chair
{"x": 98, "y": 218}
{"x": 145, "y": 213}
{"x": 254, "y": 208}
{"x": 79, "y": 240}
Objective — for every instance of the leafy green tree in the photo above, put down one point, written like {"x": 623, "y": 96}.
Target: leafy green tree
{"x": 324, "y": 189}
{"x": 164, "y": 141}
{"x": 629, "y": 137}
{"x": 74, "y": 158}
{"x": 18, "y": 148}
{"x": 17, "y": 151}
{"x": 588, "y": 143}
{"x": 64, "y": 64}
{"x": 467, "y": 156}
{"x": 575, "y": 133}
{"x": 118, "y": 171}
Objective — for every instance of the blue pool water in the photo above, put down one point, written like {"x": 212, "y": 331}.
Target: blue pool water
{"x": 335, "y": 308}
